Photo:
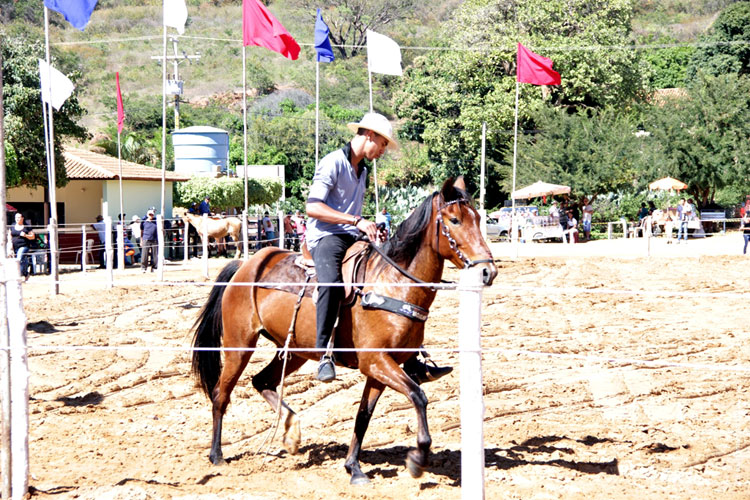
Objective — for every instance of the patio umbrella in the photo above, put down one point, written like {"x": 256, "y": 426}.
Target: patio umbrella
{"x": 667, "y": 184}
{"x": 10, "y": 208}
{"x": 538, "y": 189}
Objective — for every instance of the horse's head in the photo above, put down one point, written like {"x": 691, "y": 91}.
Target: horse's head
{"x": 458, "y": 235}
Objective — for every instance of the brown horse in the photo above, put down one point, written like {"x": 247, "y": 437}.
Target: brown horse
{"x": 217, "y": 229}
{"x": 444, "y": 226}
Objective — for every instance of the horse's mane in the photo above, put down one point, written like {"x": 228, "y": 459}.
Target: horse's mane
{"x": 403, "y": 246}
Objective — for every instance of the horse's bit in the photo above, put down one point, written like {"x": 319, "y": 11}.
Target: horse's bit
{"x": 442, "y": 228}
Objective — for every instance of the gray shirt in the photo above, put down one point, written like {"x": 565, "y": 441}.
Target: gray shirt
{"x": 337, "y": 185}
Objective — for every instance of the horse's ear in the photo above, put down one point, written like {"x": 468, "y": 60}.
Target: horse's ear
{"x": 459, "y": 183}
{"x": 447, "y": 191}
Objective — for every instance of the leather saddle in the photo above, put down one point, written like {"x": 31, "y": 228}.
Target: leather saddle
{"x": 298, "y": 267}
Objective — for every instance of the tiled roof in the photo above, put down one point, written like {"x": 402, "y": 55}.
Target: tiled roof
{"x": 82, "y": 164}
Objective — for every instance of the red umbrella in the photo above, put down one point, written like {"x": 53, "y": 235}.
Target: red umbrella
{"x": 10, "y": 208}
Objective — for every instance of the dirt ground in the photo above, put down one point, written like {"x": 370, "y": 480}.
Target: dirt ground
{"x": 604, "y": 376}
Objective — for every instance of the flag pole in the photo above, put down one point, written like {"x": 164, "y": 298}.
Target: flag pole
{"x": 121, "y": 228}
{"x": 317, "y": 110}
{"x": 245, "y": 174}
{"x": 52, "y": 181}
{"x": 374, "y": 162}
{"x": 515, "y": 155}
{"x": 160, "y": 257}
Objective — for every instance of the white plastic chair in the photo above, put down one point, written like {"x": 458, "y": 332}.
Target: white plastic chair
{"x": 89, "y": 253}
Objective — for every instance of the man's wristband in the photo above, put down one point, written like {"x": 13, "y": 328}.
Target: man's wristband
{"x": 355, "y": 220}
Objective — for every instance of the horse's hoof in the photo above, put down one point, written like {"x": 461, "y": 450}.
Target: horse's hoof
{"x": 292, "y": 435}
{"x": 414, "y": 468}
{"x": 359, "y": 479}
{"x": 217, "y": 459}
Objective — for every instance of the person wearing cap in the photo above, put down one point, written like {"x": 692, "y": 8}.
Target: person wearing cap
{"x": 149, "y": 241}
{"x": 334, "y": 207}
{"x": 205, "y": 206}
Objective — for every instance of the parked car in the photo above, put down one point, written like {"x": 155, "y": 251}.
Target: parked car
{"x": 498, "y": 222}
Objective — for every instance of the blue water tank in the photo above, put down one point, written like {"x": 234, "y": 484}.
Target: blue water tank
{"x": 200, "y": 150}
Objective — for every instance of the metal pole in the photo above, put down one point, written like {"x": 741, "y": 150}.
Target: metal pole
{"x": 482, "y": 167}
{"x": 163, "y": 112}
{"x": 51, "y": 174}
{"x": 204, "y": 241}
{"x": 317, "y": 111}
{"x": 244, "y": 122}
{"x": 83, "y": 248}
{"x": 245, "y": 237}
{"x": 160, "y": 246}
{"x": 5, "y": 464}
{"x": 108, "y": 249}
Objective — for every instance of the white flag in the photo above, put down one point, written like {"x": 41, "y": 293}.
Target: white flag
{"x": 175, "y": 14}
{"x": 383, "y": 54}
{"x": 56, "y": 87}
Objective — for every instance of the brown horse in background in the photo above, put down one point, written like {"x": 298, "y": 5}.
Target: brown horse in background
{"x": 444, "y": 226}
{"x": 217, "y": 229}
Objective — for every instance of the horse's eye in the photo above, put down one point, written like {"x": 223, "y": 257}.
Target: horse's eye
{"x": 454, "y": 221}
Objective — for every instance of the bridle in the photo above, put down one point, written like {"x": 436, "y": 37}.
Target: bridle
{"x": 442, "y": 228}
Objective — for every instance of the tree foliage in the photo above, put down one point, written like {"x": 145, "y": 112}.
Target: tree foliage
{"x": 24, "y": 124}
{"x": 447, "y": 95}
{"x": 349, "y": 20}
{"x": 703, "y": 138}
{"x": 725, "y": 48}
{"x": 593, "y": 152}
{"x": 227, "y": 192}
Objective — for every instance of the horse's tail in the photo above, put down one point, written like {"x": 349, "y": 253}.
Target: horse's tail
{"x": 208, "y": 333}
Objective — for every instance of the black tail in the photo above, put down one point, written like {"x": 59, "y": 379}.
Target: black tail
{"x": 208, "y": 332}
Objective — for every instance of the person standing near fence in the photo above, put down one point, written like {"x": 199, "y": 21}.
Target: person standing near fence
{"x": 745, "y": 227}
{"x": 22, "y": 236}
{"x": 588, "y": 215}
{"x": 268, "y": 228}
{"x": 101, "y": 230}
{"x": 149, "y": 241}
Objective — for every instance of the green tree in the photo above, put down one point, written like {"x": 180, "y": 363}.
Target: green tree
{"x": 447, "y": 95}
{"x": 227, "y": 192}
{"x": 667, "y": 64}
{"x": 725, "y": 48}
{"x": 703, "y": 138}
{"x": 593, "y": 152}
{"x": 24, "y": 124}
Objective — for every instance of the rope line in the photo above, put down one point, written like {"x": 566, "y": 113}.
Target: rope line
{"x": 484, "y": 350}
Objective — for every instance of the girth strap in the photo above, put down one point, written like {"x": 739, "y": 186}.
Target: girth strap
{"x": 372, "y": 300}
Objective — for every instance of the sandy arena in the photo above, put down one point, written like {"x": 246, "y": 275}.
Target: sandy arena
{"x": 560, "y": 421}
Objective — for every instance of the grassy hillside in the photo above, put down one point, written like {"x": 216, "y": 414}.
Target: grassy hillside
{"x": 122, "y": 36}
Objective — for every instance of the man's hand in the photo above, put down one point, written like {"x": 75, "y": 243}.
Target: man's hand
{"x": 369, "y": 228}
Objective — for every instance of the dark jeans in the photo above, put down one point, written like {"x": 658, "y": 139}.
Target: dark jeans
{"x": 328, "y": 254}
{"x": 747, "y": 239}
{"x": 149, "y": 249}
{"x": 683, "y": 230}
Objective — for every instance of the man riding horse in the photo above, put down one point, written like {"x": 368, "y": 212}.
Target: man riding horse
{"x": 334, "y": 206}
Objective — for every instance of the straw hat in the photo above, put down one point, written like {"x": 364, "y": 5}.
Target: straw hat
{"x": 378, "y": 124}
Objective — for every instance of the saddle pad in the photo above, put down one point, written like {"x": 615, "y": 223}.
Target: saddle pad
{"x": 285, "y": 271}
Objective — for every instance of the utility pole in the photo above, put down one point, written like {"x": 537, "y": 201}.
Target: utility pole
{"x": 174, "y": 84}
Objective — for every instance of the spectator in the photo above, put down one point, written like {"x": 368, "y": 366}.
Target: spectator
{"x": 588, "y": 215}
{"x": 643, "y": 212}
{"x": 135, "y": 231}
{"x": 290, "y": 233}
{"x": 683, "y": 214}
{"x": 572, "y": 228}
{"x": 384, "y": 218}
{"x": 745, "y": 227}
{"x": 205, "y": 206}
{"x": 149, "y": 241}
{"x": 101, "y": 229}
{"x": 22, "y": 237}
{"x": 269, "y": 229}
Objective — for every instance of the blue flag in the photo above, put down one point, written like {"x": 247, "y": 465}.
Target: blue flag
{"x": 322, "y": 43}
{"x": 76, "y": 12}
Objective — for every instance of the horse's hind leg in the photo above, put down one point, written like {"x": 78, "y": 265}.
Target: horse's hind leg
{"x": 266, "y": 381}
{"x": 234, "y": 363}
{"x": 370, "y": 395}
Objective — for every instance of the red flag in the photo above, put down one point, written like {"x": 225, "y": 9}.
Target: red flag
{"x": 535, "y": 69}
{"x": 261, "y": 28}
{"x": 120, "y": 109}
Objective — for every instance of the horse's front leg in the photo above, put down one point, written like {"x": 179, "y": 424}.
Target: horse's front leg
{"x": 373, "y": 390}
{"x": 383, "y": 368}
